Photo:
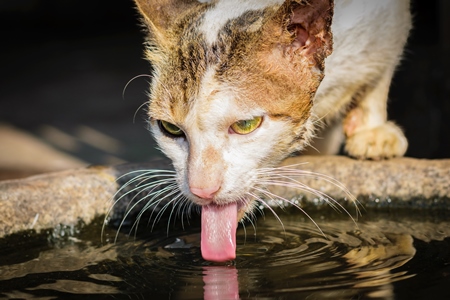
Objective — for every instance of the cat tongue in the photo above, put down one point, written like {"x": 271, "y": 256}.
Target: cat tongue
{"x": 218, "y": 239}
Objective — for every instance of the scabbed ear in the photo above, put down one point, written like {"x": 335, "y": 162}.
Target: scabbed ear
{"x": 305, "y": 29}
{"x": 159, "y": 15}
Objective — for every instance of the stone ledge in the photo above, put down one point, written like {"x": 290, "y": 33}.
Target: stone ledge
{"x": 47, "y": 200}
{"x": 400, "y": 182}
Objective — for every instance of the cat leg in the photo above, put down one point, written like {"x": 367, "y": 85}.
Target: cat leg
{"x": 369, "y": 135}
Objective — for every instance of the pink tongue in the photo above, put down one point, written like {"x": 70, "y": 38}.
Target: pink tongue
{"x": 219, "y": 223}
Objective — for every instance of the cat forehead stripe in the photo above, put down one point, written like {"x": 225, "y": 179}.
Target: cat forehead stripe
{"x": 225, "y": 10}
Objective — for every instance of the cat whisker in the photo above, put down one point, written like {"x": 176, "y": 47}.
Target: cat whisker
{"x": 131, "y": 80}
{"x": 143, "y": 174}
{"x": 288, "y": 173}
{"x": 250, "y": 216}
{"x": 139, "y": 187}
{"x": 286, "y": 176}
{"x": 257, "y": 198}
{"x": 167, "y": 193}
{"x": 305, "y": 188}
{"x": 245, "y": 231}
{"x": 176, "y": 208}
{"x": 297, "y": 185}
{"x": 139, "y": 184}
{"x": 184, "y": 206}
{"x": 137, "y": 110}
{"x": 267, "y": 193}
{"x": 153, "y": 194}
{"x": 148, "y": 187}
{"x": 142, "y": 178}
{"x": 125, "y": 88}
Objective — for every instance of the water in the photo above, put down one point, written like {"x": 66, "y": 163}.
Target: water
{"x": 401, "y": 255}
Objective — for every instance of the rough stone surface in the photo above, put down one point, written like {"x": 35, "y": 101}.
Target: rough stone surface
{"x": 397, "y": 182}
{"x": 45, "y": 201}
{"x": 65, "y": 197}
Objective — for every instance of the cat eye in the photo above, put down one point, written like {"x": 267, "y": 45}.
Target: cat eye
{"x": 170, "y": 129}
{"x": 246, "y": 126}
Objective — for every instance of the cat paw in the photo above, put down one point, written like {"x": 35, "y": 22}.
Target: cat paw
{"x": 385, "y": 141}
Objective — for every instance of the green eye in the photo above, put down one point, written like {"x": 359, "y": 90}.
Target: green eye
{"x": 246, "y": 126}
{"x": 171, "y": 129}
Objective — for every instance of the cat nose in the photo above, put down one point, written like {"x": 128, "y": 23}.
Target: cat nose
{"x": 205, "y": 193}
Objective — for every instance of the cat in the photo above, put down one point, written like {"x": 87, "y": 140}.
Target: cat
{"x": 238, "y": 86}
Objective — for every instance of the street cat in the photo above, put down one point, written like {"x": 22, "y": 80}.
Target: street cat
{"x": 239, "y": 85}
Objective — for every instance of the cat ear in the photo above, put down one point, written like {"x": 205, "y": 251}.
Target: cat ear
{"x": 159, "y": 15}
{"x": 305, "y": 29}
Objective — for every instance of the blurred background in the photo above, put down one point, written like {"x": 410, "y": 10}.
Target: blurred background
{"x": 65, "y": 65}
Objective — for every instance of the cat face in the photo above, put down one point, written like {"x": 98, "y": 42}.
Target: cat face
{"x": 233, "y": 88}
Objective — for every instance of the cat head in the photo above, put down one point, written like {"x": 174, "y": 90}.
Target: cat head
{"x": 233, "y": 85}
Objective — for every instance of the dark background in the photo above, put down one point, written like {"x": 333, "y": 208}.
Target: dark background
{"x": 65, "y": 63}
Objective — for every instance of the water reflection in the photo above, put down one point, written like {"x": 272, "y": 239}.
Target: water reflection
{"x": 344, "y": 263}
{"x": 295, "y": 263}
{"x": 220, "y": 283}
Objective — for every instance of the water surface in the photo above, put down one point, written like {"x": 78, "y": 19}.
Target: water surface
{"x": 402, "y": 255}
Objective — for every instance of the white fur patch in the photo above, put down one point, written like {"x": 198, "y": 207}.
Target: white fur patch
{"x": 368, "y": 38}
{"x": 359, "y": 27}
{"x": 207, "y": 126}
{"x": 226, "y": 10}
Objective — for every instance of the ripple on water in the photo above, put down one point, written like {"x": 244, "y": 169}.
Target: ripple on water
{"x": 293, "y": 261}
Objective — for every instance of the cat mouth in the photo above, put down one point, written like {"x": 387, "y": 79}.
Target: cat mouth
{"x": 218, "y": 230}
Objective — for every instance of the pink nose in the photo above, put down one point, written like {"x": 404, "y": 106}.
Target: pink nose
{"x": 205, "y": 193}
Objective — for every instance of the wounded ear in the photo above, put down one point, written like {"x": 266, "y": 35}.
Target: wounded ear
{"x": 307, "y": 28}
{"x": 159, "y": 15}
